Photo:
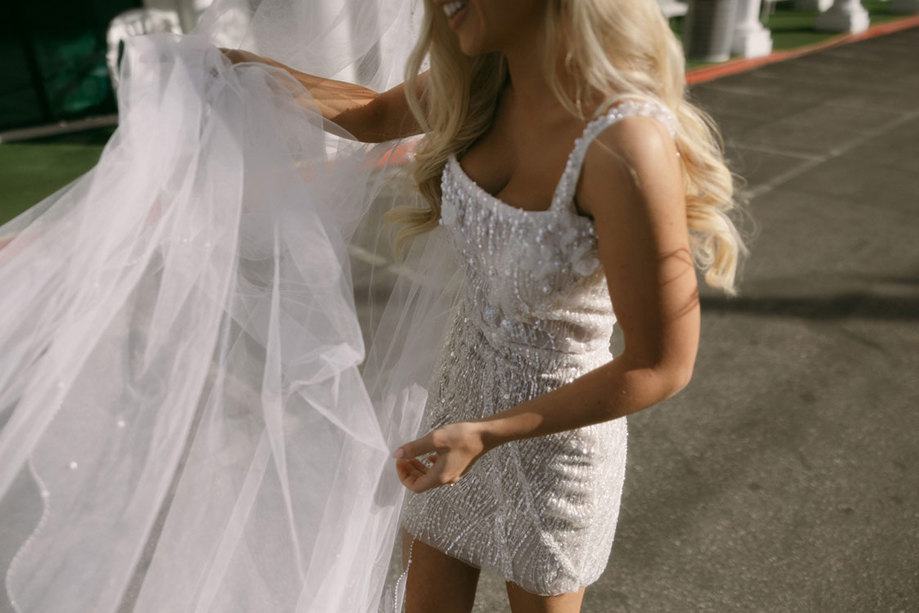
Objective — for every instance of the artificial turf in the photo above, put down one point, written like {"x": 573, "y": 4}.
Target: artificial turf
{"x": 30, "y": 171}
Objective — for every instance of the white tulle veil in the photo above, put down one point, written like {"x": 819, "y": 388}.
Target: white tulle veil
{"x": 197, "y": 411}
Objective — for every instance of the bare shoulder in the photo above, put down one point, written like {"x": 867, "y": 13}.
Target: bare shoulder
{"x": 636, "y": 132}
{"x": 634, "y": 156}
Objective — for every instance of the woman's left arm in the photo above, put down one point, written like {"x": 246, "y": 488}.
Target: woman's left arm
{"x": 643, "y": 238}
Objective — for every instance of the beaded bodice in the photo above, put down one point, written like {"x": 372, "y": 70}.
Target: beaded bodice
{"x": 533, "y": 280}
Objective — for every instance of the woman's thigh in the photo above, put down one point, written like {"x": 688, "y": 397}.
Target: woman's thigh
{"x": 436, "y": 581}
{"x": 525, "y": 602}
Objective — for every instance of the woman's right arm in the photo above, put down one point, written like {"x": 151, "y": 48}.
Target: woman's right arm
{"x": 369, "y": 116}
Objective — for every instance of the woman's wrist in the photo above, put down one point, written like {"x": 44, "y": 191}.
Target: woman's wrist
{"x": 490, "y": 433}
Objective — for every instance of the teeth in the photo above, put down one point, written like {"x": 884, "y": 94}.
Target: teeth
{"x": 452, "y": 8}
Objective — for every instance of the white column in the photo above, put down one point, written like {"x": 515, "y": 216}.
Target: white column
{"x": 751, "y": 39}
{"x": 904, "y": 6}
{"x": 187, "y": 10}
{"x": 844, "y": 16}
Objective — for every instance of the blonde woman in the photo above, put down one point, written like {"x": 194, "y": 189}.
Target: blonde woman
{"x": 578, "y": 188}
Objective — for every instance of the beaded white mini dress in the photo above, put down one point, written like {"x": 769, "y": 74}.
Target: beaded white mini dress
{"x": 534, "y": 314}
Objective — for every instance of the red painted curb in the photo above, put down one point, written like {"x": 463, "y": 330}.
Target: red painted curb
{"x": 723, "y": 69}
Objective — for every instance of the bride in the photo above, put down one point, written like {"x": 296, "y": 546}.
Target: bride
{"x": 191, "y": 419}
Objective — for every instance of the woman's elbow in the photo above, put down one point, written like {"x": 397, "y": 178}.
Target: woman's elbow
{"x": 676, "y": 377}
{"x": 670, "y": 378}
{"x": 656, "y": 383}
{"x": 681, "y": 378}
{"x": 657, "y": 379}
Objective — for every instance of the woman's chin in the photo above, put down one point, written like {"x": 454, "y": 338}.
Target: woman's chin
{"x": 471, "y": 48}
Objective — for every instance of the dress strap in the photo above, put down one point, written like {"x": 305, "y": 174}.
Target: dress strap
{"x": 564, "y": 194}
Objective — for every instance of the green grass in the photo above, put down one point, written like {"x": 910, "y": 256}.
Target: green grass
{"x": 36, "y": 169}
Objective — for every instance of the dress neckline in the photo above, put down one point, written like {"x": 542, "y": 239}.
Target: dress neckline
{"x": 493, "y": 200}
{"x": 570, "y": 166}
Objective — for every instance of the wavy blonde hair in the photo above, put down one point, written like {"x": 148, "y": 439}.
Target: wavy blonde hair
{"x": 613, "y": 49}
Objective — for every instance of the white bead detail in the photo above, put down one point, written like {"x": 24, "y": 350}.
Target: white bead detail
{"x": 534, "y": 314}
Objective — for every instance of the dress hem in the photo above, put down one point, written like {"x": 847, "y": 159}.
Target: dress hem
{"x": 496, "y": 571}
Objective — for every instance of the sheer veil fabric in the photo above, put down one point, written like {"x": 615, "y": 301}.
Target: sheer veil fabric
{"x": 197, "y": 413}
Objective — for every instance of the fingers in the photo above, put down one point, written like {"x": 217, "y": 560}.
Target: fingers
{"x": 410, "y": 474}
{"x": 237, "y": 56}
{"x": 425, "y": 482}
{"x": 410, "y": 471}
{"x": 430, "y": 480}
{"x": 418, "y": 477}
{"x": 415, "y": 448}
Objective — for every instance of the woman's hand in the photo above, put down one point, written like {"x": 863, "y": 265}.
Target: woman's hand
{"x": 368, "y": 116}
{"x": 453, "y": 449}
{"x": 239, "y": 55}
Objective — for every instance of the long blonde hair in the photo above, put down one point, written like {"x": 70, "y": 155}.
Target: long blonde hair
{"x": 614, "y": 49}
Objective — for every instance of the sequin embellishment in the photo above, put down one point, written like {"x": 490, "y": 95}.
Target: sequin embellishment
{"x": 535, "y": 314}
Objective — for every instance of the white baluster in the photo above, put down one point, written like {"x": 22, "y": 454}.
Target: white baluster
{"x": 844, "y": 16}
{"x": 750, "y": 39}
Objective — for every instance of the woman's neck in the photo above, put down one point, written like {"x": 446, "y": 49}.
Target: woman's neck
{"x": 527, "y": 77}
